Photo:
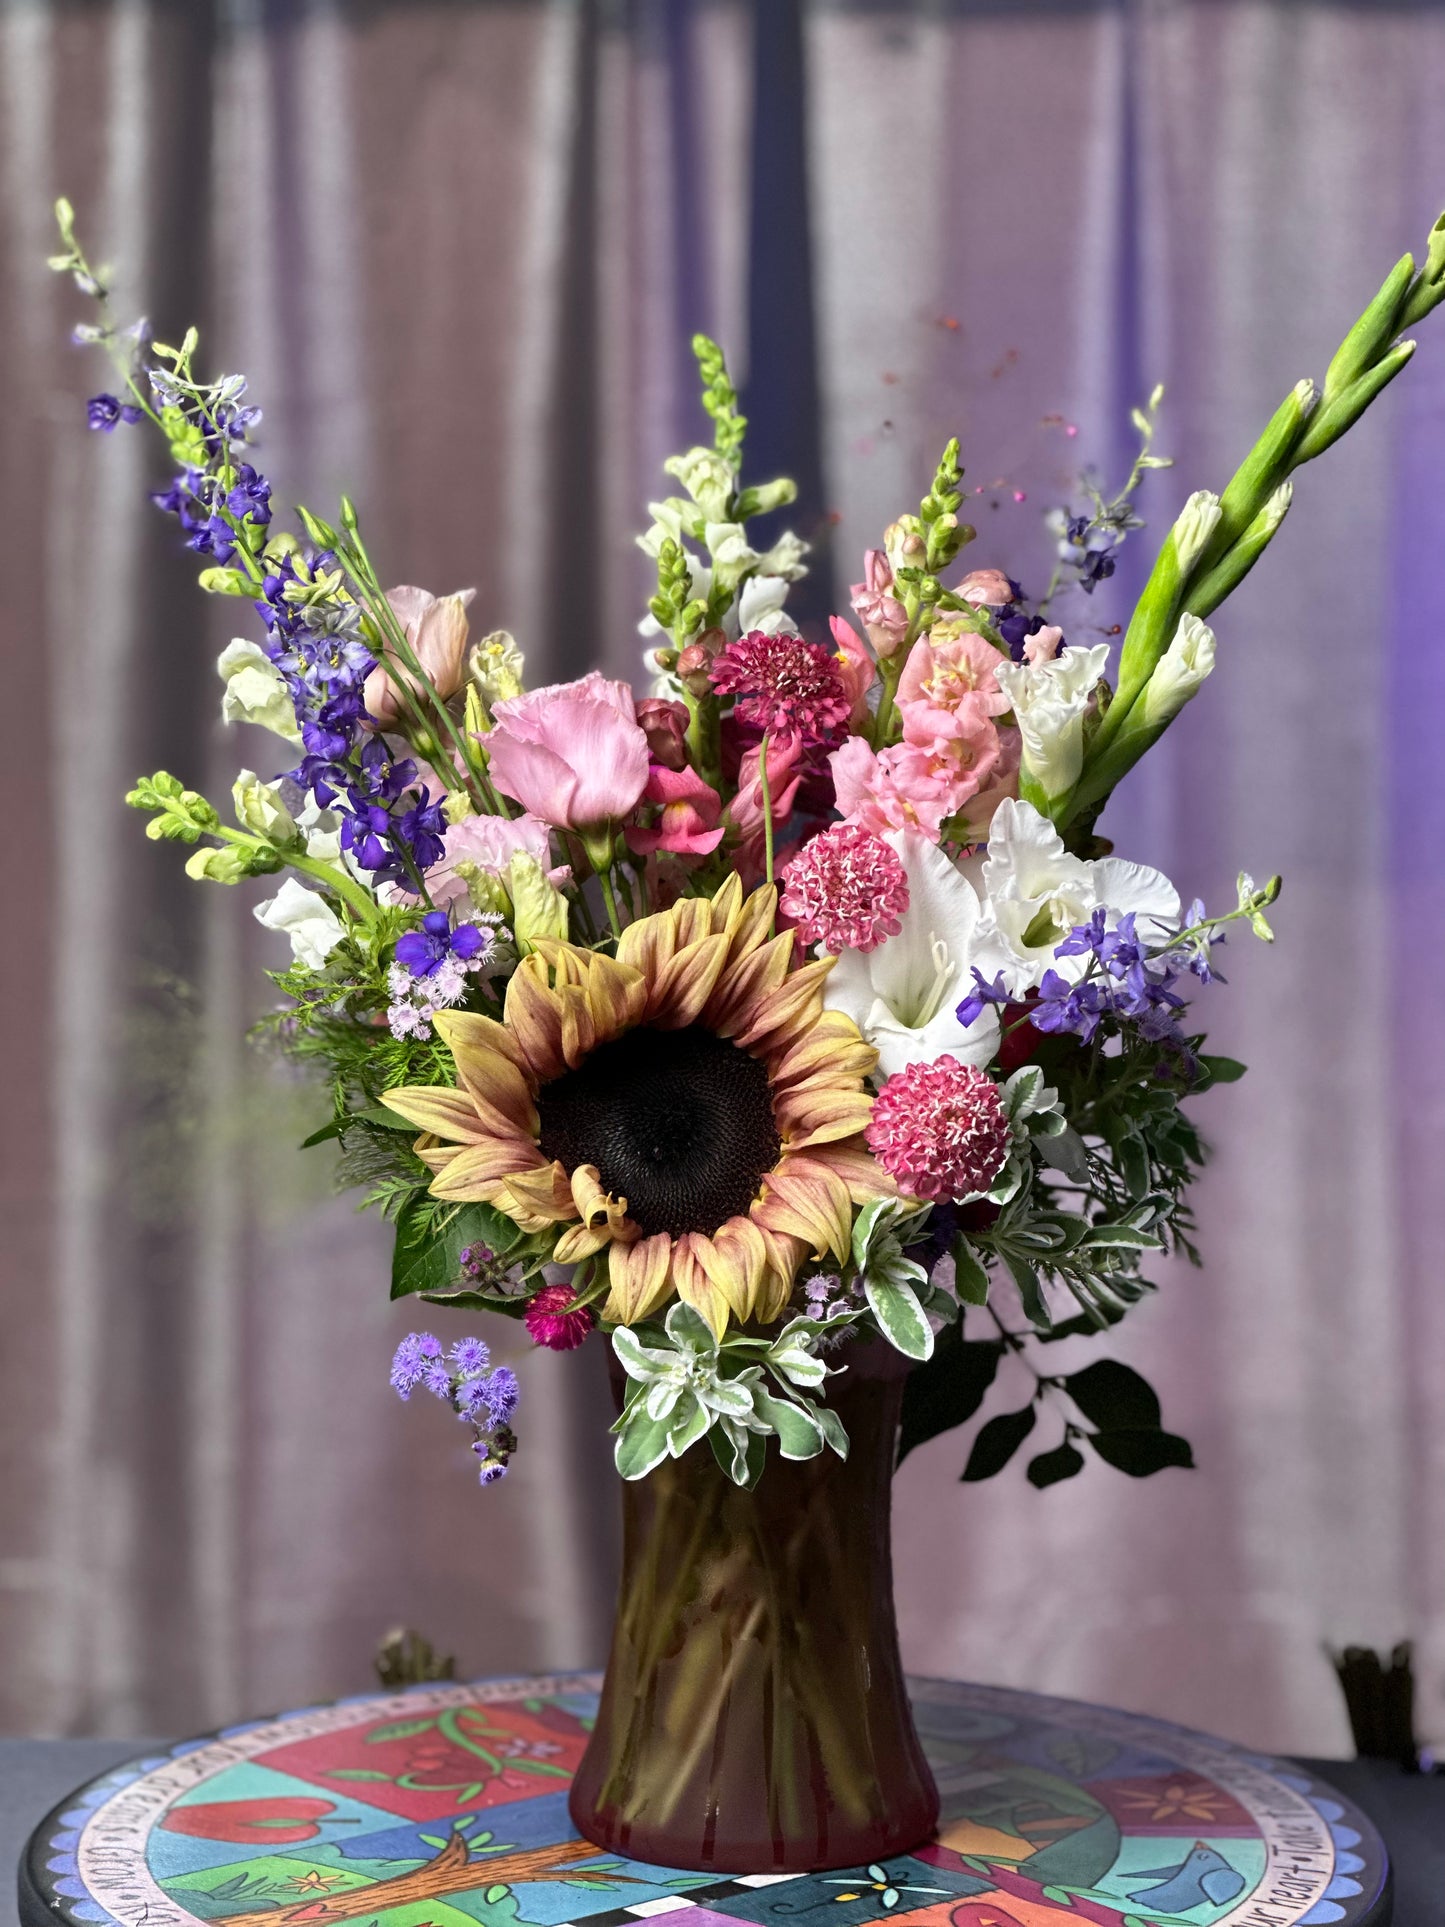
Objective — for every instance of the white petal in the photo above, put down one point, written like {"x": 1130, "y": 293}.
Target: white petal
{"x": 1124, "y": 886}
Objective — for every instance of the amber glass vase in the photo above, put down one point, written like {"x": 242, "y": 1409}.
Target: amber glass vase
{"x": 754, "y": 1717}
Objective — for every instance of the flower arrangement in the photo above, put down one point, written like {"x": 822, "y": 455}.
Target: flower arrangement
{"x": 797, "y": 1000}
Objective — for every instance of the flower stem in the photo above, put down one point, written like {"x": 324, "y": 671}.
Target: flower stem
{"x": 766, "y": 789}
{"x": 605, "y": 879}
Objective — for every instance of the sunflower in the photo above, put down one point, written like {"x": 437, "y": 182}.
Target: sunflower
{"x": 689, "y": 1106}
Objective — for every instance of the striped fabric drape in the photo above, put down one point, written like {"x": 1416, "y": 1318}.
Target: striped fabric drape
{"x": 459, "y": 249}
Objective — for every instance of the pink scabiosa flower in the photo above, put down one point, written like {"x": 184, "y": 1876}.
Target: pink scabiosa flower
{"x": 940, "y": 1130}
{"x": 687, "y": 824}
{"x": 783, "y": 685}
{"x": 876, "y": 607}
{"x": 551, "y": 1324}
{"x": 571, "y": 753}
{"x": 846, "y": 889}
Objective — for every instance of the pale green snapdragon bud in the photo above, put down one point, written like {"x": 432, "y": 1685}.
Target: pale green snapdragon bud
{"x": 260, "y": 810}
{"x": 1197, "y": 522}
{"x": 539, "y": 909}
{"x": 1179, "y": 672}
{"x": 496, "y": 667}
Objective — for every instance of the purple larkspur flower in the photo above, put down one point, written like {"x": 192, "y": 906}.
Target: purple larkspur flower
{"x": 106, "y": 412}
{"x": 981, "y": 996}
{"x": 424, "y": 951}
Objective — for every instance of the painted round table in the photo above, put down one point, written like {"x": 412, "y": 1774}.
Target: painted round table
{"x": 446, "y": 1806}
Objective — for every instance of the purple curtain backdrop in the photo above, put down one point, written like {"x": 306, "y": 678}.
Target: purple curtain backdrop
{"x": 459, "y": 249}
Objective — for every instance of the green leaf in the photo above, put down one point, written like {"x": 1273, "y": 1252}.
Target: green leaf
{"x": 641, "y": 1444}
{"x": 997, "y": 1442}
{"x": 900, "y": 1317}
{"x": 1133, "y": 1166}
{"x": 1140, "y": 1453}
{"x": 1223, "y": 1070}
{"x": 1064, "y": 1462}
{"x": 1035, "y": 1305}
{"x": 1056, "y": 1896}
{"x": 970, "y": 1274}
{"x": 799, "y": 1436}
{"x": 494, "y": 1894}
{"x": 1121, "y": 1237}
{"x": 831, "y": 1426}
{"x": 355, "y": 1773}
{"x": 431, "y": 1839}
{"x": 1114, "y": 1397}
{"x": 427, "y": 1261}
{"x": 948, "y": 1390}
{"x": 320, "y": 1137}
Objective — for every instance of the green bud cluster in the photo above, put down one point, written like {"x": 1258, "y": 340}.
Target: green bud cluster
{"x": 720, "y": 400}
{"x": 182, "y": 815}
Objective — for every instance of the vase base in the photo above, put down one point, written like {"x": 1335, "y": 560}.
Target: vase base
{"x": 835, "y": 1844}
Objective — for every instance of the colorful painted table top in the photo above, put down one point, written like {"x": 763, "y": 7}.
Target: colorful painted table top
{"x": 446, "y": 1806}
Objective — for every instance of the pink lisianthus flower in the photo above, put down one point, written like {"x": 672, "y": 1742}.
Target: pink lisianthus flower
{"x": 688, "y": 821}
{"x": 490, "y": 842}
{"x": 855, "y": 666}
{"x": 571, "y": 753}
{"x": 985, "y": 589}
{"x": 436, "y": 628}
{"x": 949, "y": 689}
{"x": 912, "y": 786}
{"x": 882, "y": 615}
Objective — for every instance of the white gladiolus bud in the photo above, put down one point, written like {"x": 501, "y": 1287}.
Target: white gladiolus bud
{"x": 260, "y": 810}
{"x": 1179, "y": 672}
{"x": 1198, "y": 520}
{"x": 1049, "y": 700}
{"x": 1276, "y": 507}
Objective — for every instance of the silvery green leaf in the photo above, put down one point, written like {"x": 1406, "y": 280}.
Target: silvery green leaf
{"x": 641, "y": 1446}
{"x": 729, "y": 1397}
{"x": 689, "y": 1423}
{"x": 688, "y": 1328}
{"x": 970, "y": 1275}
{"x": 732, "y": 1447}
{"x": 1035, "y": 1305}
{"x": 890, "y": 1267}
{"x": 900, "y": 1318}
{"x": 639, "y": 1360}
{"x": 798, "y": 1434}
{"x": 662, "y": 1397}
{"x": 880, "y": 1216}
{"x": 1049, "y": 1124}
{"x": 1124, "y": 1237}
{"x": 1021, "y": 1092}
{"x": 832, "y": 1429}
{"x": 1066, "y": 1153}
{"x": 795, "y": 1363}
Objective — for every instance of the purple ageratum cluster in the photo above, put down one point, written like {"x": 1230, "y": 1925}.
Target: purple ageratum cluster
{"x": 481, "y": 1394}
{"x": 432, "y": 969}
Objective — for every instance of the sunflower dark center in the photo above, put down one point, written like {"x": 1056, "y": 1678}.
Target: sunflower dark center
{"x": 678, "y": 1122}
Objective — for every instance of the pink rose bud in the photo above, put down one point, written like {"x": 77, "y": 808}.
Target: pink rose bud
{"x": 665, "y": 726}
{"x": 986, "y": 589}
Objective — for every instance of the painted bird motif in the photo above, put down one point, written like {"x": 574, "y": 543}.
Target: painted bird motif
{"x": 1203, "y": 1875}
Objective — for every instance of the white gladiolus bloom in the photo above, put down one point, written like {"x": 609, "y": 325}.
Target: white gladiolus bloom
{"x": 904, "y": 995}
{"x": 1035, "y": 893}
{"x": 255, "y": 692}
{"x": 1049, "y": 700}
{"x": 307, "y": 919}
{"x": 1179, "y": 671}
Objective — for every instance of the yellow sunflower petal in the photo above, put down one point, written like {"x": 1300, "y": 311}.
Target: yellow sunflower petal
{"x": 808, "y": 1199}
{"x": 727, "y": 904}
{"x": 686, "y": 982}
{"x": 640, "y": 1278}
{"x": 579, "y": 1027}
{"x": 857, "y": 1167}
{"x": 499, "y": 1093}
{"x": 820, "y": 1116}
{"x": 461, "y": 1030}
{"x": 646, "y": 945}
{"x": 438, "y": 1108}
{"x": 755, "y": 918}
{"x": 738, "y": 1265}
{"x": 597, "y": 1207}
{"x": 617, "y": 994}
{"x": 745, "y": 982}
{"x": 785, "y": 1014}
{"x": 534, "y": 1016}
{"x": 695, "y": 1285}
{"x": 833, "y": 1048}
{"x": 537, "y": 1199}
{"x": 474, "y": 1171}
{"x": 785, "y": 1254}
